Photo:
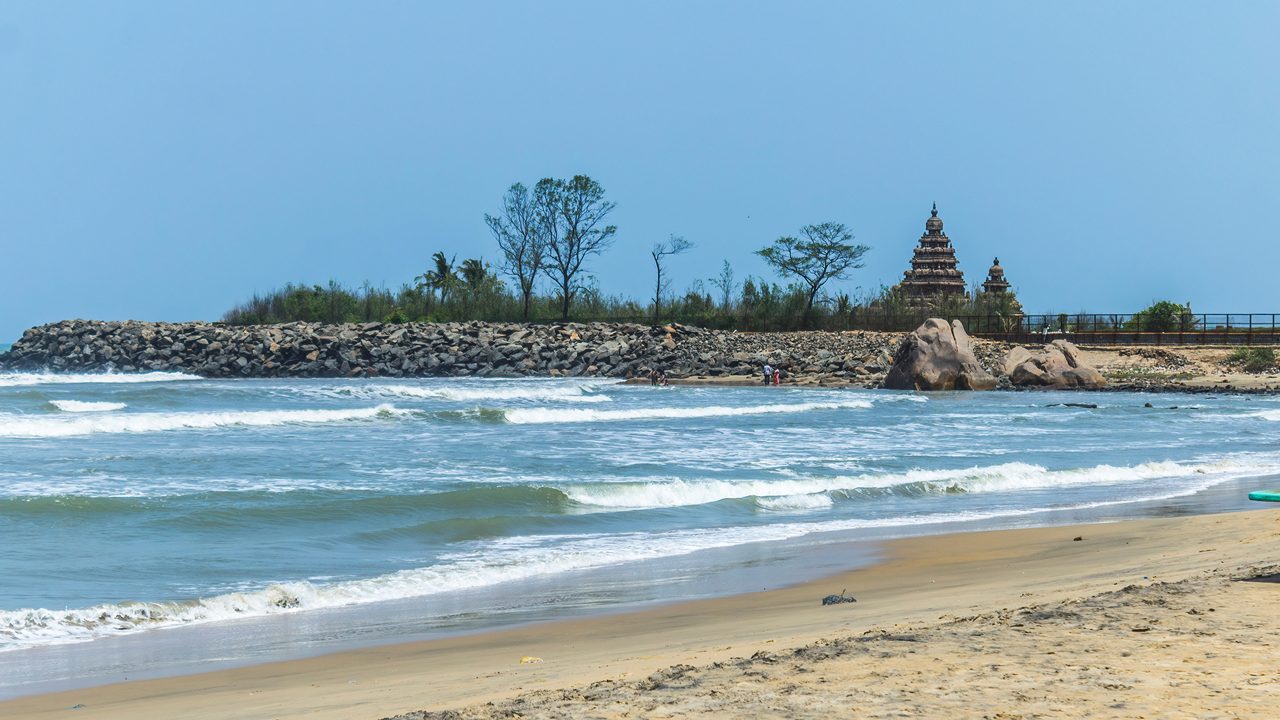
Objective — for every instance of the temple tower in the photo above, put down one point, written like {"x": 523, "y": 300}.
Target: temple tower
{"x": 933, "y": 272}
{"x": 995, "y": 283}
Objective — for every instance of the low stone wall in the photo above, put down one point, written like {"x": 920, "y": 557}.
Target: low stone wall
{"x": 447, "y": 349}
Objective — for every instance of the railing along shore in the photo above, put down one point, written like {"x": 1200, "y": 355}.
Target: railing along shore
{"x": 1080, "y": 328}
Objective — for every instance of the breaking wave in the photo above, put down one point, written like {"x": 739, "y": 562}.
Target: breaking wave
{"x": 80, "y": 406}
{"x": 821, "y": 492}
{"x": 584, "y": 393}
{"x": 22, "y": 426}
{"x": 48, "y": 378}
{"x": 528, "y": 416}
{"x": 497, "y": 560}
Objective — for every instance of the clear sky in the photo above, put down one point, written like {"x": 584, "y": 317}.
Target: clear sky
{"x": 164, "y": 160}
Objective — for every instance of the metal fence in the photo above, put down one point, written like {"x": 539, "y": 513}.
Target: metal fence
{"x": 1080, "y": 328}
{"x": 1134, "y": 329}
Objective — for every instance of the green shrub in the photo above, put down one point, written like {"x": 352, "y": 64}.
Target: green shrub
{"x": 1163, "y": 316}
{"x": 1254, "y": 359}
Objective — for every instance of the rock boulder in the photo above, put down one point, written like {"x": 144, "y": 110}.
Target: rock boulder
{"x": 1058, "y": 365}
{"x": 937, "y": 356}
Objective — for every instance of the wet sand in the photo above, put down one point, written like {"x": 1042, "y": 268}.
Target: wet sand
{"x": 1141, "y": 618}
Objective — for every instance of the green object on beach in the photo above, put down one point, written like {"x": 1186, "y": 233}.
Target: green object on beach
{"x": 1265, "y": 495}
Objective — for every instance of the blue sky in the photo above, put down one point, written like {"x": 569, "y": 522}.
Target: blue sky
{"x": 165, "y": 160}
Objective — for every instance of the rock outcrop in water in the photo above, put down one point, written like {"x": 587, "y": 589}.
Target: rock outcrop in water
{"x": 447, "y": 349}
{"x": 937, "y": 356}
{"x": 1058, "y": 365}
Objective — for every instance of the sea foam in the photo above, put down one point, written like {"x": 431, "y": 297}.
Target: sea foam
{"x": 47, "y": 378}
{"x": 509, "y": 392}
{"x": 80, "y": 406}
{"x": 813, "y": 493}
{"x": 23, "y": 426}
{"x": 524, "y": 416}
{"x": 499, "y": 560}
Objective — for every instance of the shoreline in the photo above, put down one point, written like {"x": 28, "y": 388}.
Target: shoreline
{"x": 918, "y": 580}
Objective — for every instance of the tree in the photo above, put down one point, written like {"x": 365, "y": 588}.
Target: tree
{"x": 822, "y": 254}
{"x": 473, "y": 273}
{"x": 724, "y": 283}
{"x": 572, "y": 217}
{"x": 673, "y": 246}
{"x": 521, "y": 238}
{"x": 1163, "y": 316}
{"x": 441, "y": 277}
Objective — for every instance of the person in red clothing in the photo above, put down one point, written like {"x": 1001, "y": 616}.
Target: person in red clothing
{"x": 777, "y": 376}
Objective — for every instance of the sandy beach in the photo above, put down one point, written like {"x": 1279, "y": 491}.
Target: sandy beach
{"x": 1144, "y": 618}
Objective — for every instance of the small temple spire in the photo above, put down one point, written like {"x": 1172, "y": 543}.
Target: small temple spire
{"x": 935, "y": 209}
{"x": 995, "y": 283}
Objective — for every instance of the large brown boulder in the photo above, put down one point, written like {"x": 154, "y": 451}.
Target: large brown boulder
{"x": 937, "y": 356}
{"x": 1058, "y": 365}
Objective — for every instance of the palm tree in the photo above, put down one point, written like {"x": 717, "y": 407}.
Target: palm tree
{"x": 473, "y": 273}
{"x": 440, "y": 278}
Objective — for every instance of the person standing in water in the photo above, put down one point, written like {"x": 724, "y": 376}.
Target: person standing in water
{"x": 768, "y": 373}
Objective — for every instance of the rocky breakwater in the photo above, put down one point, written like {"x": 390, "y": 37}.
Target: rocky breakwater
{"x": 447, "y": 349}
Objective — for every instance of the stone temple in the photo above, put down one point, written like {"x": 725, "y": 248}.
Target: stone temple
{"x": 995, "y": 283}
{"x": 934, "y": 273}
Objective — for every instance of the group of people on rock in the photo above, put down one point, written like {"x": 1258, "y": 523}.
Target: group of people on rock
{"x": 658, "y": 377}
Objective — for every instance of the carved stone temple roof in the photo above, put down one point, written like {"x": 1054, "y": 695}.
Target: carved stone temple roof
{"x": 934, "y": 272}
{"x": 995, "y": 282}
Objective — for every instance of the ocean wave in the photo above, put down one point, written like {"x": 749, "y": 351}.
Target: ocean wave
{"x": 1272, "y": 415}
{"x": 819, "y": 501}
{"x": 1006, "y": 477}
{"x": 513, "y": 392}
{"x": 524, "y": 416}
{"x": 48, "y": 378}
{"x": 494, "y": 561}
{"x": 80, "y": 406}
{"x": 22, "y": 426}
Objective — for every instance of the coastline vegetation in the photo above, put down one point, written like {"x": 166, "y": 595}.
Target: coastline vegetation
{"x": 548, "y": 235}
{"x": 546, "y": 238}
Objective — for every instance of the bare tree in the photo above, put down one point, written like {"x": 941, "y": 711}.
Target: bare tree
{"x": 673, "y": 246}
{"x": 821, "y": 255}
{"x": 724, "y": 283}
{"x": 572, "y": 216}
{"x": 521, "y": 237}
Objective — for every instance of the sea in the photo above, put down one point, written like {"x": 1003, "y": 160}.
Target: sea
{"x": 156, "y": 524}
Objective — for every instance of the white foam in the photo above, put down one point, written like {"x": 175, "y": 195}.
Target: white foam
{"x": 1006, "y": 477}
{"x": 817, "y": 501}
{"x": 24, "y": 426}
{"x": 498, "y": 392}
{"x": 78, "y": 406}
{"x": 523, "y": 416}
{"x": 47, "y": 378}
{"x": 494, "y": 562}
{"x": 1272, "y": 415}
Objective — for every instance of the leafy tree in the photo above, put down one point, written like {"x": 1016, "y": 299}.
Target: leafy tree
{"x": 572, "y": 215}
{"x": 441, "y": 277}
{"x": 522, "y": 239}
{"x": 673, "y": 246}
{"x": 473, "y": 273}
{"x": 1163, "y": 316}
{"x": 822, "y": 253}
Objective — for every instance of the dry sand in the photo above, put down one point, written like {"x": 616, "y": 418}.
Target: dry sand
{"x": 1146, "y": 618}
